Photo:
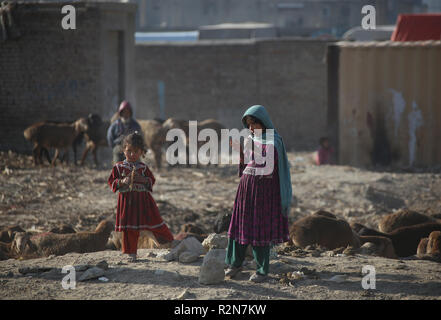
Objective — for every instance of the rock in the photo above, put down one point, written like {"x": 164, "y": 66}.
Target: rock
{"x": 152, "y": 255}
{"x": 212, "y": 269}
{"x": 252, "y": 265}
{"x": 82, "y": 267}
{"x": 350, "y": 251}
{"x": 92, "y": 273}
{"x": 297, "y": 275}
{"x": 176, "y": 275}
{"x": 52, "y": 274}
{"x": 368, "y": 248}
{"x": 175, "y": 243}
{"x": 34, "y": 270}
{"x": 103, "y": 265}
{"x": 168, "y": 274}
{"x": 9, "y": 274}
{"x": 315, "y": 253}
{"x": 310, "y": 273}
{"x": 185, "y": 295}
{"x": 329, "y": 253}
{"x": 188, "y": 257}
{"x": 189, "y": 244}
{"x": 169, "y": 256}
{"x": 159, "y": 272}
{"x": 215, "y": 241}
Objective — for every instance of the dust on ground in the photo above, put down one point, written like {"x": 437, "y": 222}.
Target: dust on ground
{"x": 39, "y": 198}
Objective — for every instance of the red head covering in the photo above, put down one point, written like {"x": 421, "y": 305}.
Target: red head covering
{"x": 125, "y": 105}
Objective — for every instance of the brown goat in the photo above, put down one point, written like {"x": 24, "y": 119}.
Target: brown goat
{"x": 46, "y": 135}
{"x": 146, "y": 240}
{"x": 405, "y": 239}
{"x": 430, "y": 248}
{"x": 43, "y": 245}
{"x": 402, "y": 218}
{"x": 154, "y": 137}
{"x": 325, "y": 229}
{"x": 95, "y": 136}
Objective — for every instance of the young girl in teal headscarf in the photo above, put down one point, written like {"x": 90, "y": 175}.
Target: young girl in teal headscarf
{"x": 261, "y": 207}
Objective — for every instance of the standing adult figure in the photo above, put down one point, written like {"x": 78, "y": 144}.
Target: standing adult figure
{"x": 123, "y": 126}
{"x": 263, "y": 198}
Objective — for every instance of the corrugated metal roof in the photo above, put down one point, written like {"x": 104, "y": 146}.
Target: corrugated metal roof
{"x": 364, "y": 44}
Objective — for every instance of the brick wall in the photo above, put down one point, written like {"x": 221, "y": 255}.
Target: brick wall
{"x": 54, "y": 74}
{"x": 220, "y": 79}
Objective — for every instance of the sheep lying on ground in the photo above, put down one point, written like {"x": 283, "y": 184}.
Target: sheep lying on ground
{"x": 402, "y": 218}
{"x": 13, "y": 239}
{"x": 405, "y": 239}
{"x": 326, "y": 230}
{"x": 95, "y": 136}
{"x": 46, "y": 135}
{"x": 45, "y": 244}
{"x": 146, "y": 240}
{"x": 430, "y": 248}
{"x": 322, "y": 228}
{"x": 154, "y": 137}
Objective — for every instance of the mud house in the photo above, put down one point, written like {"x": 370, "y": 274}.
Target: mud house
{"x": 47, "y": 72}
{"x": 387, "y": 104}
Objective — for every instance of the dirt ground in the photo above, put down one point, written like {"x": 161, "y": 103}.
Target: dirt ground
{"x": 39, "y": 198}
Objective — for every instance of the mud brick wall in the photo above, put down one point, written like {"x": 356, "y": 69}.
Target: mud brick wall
{"x": 49, "y": 73}
{"x": 220, "y": 79}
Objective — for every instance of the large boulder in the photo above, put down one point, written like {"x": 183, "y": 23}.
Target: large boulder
{"x": 212, "y": 269}
{"x": 190, "y": 244}
{"x": 215, "y": 241}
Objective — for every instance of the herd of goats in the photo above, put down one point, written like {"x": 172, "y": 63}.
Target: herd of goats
{"x": 62, "y": 136}
{"x": 401, "y": 234}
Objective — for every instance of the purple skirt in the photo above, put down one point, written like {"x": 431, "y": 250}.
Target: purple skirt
{"x": 257, "y": 217}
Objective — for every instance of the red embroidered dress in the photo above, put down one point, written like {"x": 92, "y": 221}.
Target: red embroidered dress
{"x": 136, "y": 208}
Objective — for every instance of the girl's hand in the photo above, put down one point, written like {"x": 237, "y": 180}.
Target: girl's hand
{"x": 125, "y": 181}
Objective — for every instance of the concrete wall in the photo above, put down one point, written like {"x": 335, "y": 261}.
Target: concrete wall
{"x": 389, "y": 103}
{"x": 220, "y": 79}
{"x": 54, "y": 74}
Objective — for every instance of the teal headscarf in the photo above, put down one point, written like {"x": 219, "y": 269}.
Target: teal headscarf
{"x": 260, "y": 113}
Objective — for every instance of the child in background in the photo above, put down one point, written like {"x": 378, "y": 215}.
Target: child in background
{"x": 136, "y": 209}
{"x": 324, "y": 153}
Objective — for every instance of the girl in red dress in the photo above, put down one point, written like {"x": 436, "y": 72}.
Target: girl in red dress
{"x": 136, "y": 208}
